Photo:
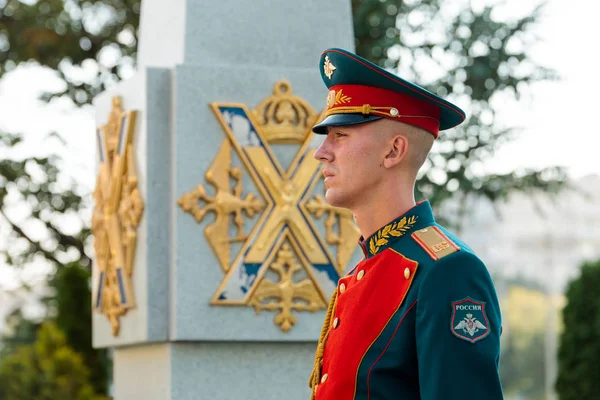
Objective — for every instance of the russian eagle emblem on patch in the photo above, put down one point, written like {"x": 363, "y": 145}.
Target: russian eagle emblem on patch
{"x": 469, "y": 321}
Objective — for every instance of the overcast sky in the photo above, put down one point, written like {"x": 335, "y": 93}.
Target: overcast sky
{"x": 559, "y": 119}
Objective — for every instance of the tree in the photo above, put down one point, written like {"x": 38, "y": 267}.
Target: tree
{"x": 70, "y": 310}
{"x": 74, "y": 317}
{"x": 480, "y": 60}
{"x": 19, "y": 332}
{"x": 66, "y": 35}
{"x": 35, "y": 33}
{"x": 47, "y": 370}
{"x": 37, "y": 182}
{"x": 579, "y": 345}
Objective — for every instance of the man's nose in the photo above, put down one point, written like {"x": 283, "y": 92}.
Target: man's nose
{"x": 323, "y": 152}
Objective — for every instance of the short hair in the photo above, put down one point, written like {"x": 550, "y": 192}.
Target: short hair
{"x": 419, "y": 141}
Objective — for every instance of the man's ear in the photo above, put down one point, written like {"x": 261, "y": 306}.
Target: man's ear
{"x": 398, "y": 146}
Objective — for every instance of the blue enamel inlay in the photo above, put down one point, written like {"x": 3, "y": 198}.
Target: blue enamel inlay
{"x": 100, "y": 289}
{"x": 329, "y": 269}
{"x": 121, "y": 286}
{"x": 123, "y": 135}
{"x": 252, "y": 135}
{"x": 251, "y": 273}
{"x": 101, "y": 149}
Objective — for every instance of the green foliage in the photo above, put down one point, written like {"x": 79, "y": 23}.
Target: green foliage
{"x": 63, "y": 35}
{"x": 70, "y": 306}
{"x": 36, "y": 181}
{"x": 579, "y": 346}
{"x": 52, "y": 34}
{"x": 19, "y": 332}
{"x": 47, "y": 370}
{"x": 74, "y": 318}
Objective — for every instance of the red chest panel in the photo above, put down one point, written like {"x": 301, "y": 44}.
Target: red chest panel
{"x": 366, "y": 302}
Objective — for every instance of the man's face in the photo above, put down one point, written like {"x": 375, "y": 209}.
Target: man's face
{"x": 352, "y": 163}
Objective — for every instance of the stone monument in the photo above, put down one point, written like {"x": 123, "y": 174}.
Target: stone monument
{"x": 215, "y": 252}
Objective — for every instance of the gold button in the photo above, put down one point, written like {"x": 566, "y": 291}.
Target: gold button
{"x": 336, "y": 322}
{"x": 324, "y": 378}
{"x": 407, "y": 273}
{"x": 360, "y": 275}
{"x": 342, "y": 288}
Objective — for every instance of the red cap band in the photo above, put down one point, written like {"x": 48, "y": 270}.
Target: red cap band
{"x": 343, "y": 99}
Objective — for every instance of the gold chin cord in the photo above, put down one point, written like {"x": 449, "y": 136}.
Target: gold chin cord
{"x": 315, "y": 376}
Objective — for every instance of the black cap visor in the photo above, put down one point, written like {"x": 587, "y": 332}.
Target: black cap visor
{"x": 342, "y": 120}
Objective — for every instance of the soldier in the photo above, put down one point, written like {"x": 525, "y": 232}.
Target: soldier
{"x": 418, "y": 317}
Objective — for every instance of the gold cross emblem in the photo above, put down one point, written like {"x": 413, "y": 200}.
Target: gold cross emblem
{"x": 117, "y": 213}
{"x": 284, "y": 240}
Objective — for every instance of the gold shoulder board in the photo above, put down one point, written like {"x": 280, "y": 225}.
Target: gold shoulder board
{"x": 434, "y": 242}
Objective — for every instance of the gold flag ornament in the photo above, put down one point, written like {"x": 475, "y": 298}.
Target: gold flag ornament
{"x": 118, "y": 209}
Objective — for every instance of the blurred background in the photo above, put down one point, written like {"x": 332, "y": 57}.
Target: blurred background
{"x": 520, "y": 180}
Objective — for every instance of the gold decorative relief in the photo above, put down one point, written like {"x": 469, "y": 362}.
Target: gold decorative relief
{"x": 283, "y": 117}
{"x": 286, "y": 294}
{"x": 345, "y": 235}
{"x": 226, "y": 203}
{"x": 118, "y": 209}
{"x": 274, "y": 209}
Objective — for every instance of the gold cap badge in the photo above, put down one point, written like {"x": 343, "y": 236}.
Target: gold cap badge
{"x": 328, "y": 67}
{"x": 331, "y": 99}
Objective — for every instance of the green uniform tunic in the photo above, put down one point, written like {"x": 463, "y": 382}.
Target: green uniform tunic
{"x": 417, "y": 318}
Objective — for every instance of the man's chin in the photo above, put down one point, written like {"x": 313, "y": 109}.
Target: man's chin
{"x": 335, "y": 200}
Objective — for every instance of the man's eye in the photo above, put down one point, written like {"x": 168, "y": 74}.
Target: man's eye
{"x": 340, "y": 134}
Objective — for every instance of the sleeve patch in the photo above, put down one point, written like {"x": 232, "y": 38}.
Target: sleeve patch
{"x": 469, "y": 321}
{"x": 434, "y": 242}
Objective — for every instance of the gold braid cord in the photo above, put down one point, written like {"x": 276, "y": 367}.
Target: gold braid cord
{"x": 364, "y": 109}
{"x": 367, "y": 109}
{"x": 315, "y": 376}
